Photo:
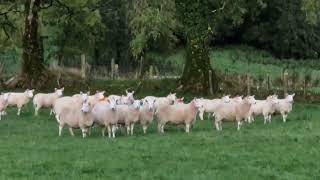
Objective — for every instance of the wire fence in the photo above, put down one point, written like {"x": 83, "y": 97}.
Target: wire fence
{"x": 305, "y": 83}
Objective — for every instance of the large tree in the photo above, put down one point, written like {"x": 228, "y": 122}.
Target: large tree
{"x": 32, "y": 62}
{"x": 200, "y": 20}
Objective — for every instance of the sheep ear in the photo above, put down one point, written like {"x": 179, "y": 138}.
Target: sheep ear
{"x": 127, "y": 91}
{"x": 293, "y": 94}
{"x": 88, "y": 93}
{"x": 182, "y": 98}
{"x": 55, "y": 89}
{"x": 132, "y": 92}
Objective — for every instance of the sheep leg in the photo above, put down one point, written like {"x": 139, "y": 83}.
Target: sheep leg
{"x": 159, "y": 127}
{"x": 104, "y": 130}
{"x": 269, "y": 118}
{"x": 209, "y": 114}
{"x": 144, "y": 127}
{"x": 220, "y": 125}
{"x": 60, "y": 130}
{"x": 19, "y": 111}
{"x": 217, "y": 125}
{"x": 162, "y": 128}
{"x": 128, "y": 129}
{"x": 114, "y": 128}
{"x": 131, "y": 128}
{"x": 51, "y": 111}
{"x": 187, "y": 127}
{"x": 266, "y": 119}
{"x": 57, "y": 118}
{"x": 239, "y": 125}
{"x": 36, "y": 109}
{"x": 71, "y": 131}
{"x": 84, "y": 133}
{"x": 284, "y": 117}
{"x": 0, "y": 116}
{"x": 89, "y": 131}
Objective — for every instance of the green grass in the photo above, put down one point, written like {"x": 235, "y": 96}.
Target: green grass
{"x": 31, "y": 149}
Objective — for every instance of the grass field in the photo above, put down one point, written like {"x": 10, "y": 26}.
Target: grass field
{"x": 31, "y": 149}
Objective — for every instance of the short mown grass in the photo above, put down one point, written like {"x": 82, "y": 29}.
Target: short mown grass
{"x": 31, "y": 149}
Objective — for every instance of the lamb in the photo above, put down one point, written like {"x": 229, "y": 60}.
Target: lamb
{"x": 178, "y": 114}
{"x": 105, "y": 116}
{"x": 20, "y": 99}
{"x": 263, "y": 107}
{"x": 76, "y": 117}
{"x": 146, "y": 114}
{"x": 128, "y": 99}
{"x": 46, "y": 100}
{"x": 3, "y": 102}
{"x": 211, "y": 105}
{"x": 68, "y": 102}
{"x": 162, "y": 101}
{"x": 234, "y": 111}
{"x": 284, "y": 107}
{"x": 128, "y": 115}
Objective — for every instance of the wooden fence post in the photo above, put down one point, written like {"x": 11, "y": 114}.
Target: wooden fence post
{"x": 248, "y": 85}
{"x": 112, "y": 69}
{"x": 285, "y": 82}
{"x": 210, "y": 83}
{"x": 83, "y": 65}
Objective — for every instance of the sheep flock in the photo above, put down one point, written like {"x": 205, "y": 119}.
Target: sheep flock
{"x": 84, "y": 111}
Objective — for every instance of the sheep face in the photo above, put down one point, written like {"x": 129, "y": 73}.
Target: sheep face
{"x": 85, "y": 107}
{"x": 172, "y": 98}
{"x": 149, "y": 104}
{"x": 29, "y": 93}
{"x": 59, "y": 92}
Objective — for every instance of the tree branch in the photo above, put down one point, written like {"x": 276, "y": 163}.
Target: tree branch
{"x": 10, "y": 9}
{"x": 46, "y": 7}
{"x": 220, "y": 9}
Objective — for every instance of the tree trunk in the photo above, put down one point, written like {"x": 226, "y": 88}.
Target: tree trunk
{"x": 32, "y": 64}
{"x": 195, "y": 77}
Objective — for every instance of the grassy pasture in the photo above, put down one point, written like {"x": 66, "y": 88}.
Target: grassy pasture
{"x": 31, "y": 149}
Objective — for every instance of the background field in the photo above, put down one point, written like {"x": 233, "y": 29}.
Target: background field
{"x": 31, "y": 149}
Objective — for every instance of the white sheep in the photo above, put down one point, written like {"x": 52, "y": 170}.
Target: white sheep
{"x": 146, "y": 114}
{"x": 3, "y": 103}
{"x": 162, "y": 101}
{"x": 233, "y": 111}
{"x": 68, "y": 102}
{"x": 104, "y": 114}
{"x": 20, "y": 99}
{"x": 284, "y": 107}
{"x": 46, "y": 100}
{"x": 128, "y": 115}
{"x": 178, "y": 114}
{"x": 76, "y": 117}
{"x": 263, "y": 107}
{"x": 211, "y": 105}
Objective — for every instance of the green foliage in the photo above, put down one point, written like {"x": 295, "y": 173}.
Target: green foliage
{"x": 284, "y": 28}
{"x": 152, "y": 24}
